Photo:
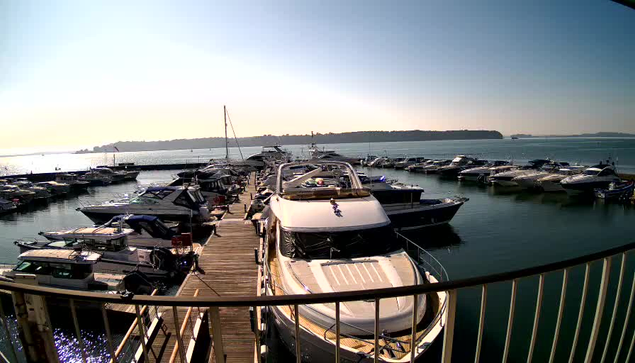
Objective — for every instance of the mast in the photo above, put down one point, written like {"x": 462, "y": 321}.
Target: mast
{"x": 226, "y": 139}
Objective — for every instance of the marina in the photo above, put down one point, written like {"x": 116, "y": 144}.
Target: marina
{"x": 230, "y": 269}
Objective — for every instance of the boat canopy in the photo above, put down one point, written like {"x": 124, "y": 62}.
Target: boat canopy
{"x": 60, "y": 255}
{"x": 152, "y": 224}
{"x": 345, "y": 244}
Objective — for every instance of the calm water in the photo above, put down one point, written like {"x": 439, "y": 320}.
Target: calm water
{"x": 495, "y": 231}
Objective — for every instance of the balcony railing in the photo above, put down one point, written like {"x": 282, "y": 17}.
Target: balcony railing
{"x": 612, "y": 342}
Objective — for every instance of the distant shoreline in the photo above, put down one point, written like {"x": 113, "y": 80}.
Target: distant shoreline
{"x": 330, "y": 138}
{"x": 621, "y": 135}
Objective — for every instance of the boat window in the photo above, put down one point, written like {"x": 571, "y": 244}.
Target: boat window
{"x": 184, "y": 200}
{"x": 34, "y": 267}
{"x": 606, "y": 172}
{"x": 591, "y": 172}
{"x": 61, "y": 271}
{"x": 348, "y": 244}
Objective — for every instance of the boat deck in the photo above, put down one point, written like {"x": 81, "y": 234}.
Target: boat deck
{"x": 230, "y": 270}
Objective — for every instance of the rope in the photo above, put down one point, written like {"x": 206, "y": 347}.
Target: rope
{"x": 205, "y": 283}
{"x": 234, "y": 132}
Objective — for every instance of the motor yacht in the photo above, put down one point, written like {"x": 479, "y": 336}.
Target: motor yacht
{"x": 458, "y": 164}
{"x": 144, "y": 231}
{"x": 406, "y": 210}
{"x": 551, "y": 182}
{"x": 181, "y": 204}
{"x": 595, "y": 177}
{"x": 530, "y": 180}
{"x": 12, "y": 192}
{"x": 434, "y": 167}
{"x": 268, "y": 153}
{"x": 95, "y": 178}
{"x": 116, "y": 255}
{"x": 473, "y": 174}
{"x": 411, "y": 160}
{"x": 115, "y": 176}
{"x": 41, "y": 193}
{"x": 55, "y": 188}
{"x": 60, "y": 268}
{"x": 326, "y": 233}
{"x": 72, "y": 180}
{"x": 505, "y": 178}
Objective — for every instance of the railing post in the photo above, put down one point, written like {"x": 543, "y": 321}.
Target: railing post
{"x": 217, "y": 334}
{"x": 556, "y": 334}
{"x": 376, "y": 332}
{"x": 140, "y": 326}
{"x": 78, "y": 331}
{"x": 413, "y": 333}
{"x": 510, "y": 320}
{"x": 534, "y": 332}
{"x": 585, "y": 290}
{"x": 179, "y": 338}
{"x": 298, "y": 352}
{"x": 620, "y": 280}
{"x": 5, "y": 323}
{"x": 448, "y": 334}
{"x": 599, "y": 309}
{"x": 337, "y": 332}
{"x": 626, "y": 319}
{"x": 38, "y": 342}
{"x": 481, "y": 325}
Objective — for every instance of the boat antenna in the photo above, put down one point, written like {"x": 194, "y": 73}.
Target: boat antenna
{"x": 226, "y": 140}
{"x": 234, "y": 132}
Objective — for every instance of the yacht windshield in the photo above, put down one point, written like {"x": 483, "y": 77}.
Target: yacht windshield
{"x": 348, "y": 244}
{"x": 591, "y": 172}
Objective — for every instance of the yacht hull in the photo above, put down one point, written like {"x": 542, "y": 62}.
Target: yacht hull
{"x": 585, "y": 188}
{"x": 406, "y": 217}
{"x": 101, "y": 217}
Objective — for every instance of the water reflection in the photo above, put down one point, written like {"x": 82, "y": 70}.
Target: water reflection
{"x": 432, "y": 238}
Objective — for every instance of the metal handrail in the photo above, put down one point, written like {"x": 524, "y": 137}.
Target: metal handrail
{"x": 278, "y": 300}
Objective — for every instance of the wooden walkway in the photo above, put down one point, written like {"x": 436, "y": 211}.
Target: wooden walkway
{"x": 230, "y": 270}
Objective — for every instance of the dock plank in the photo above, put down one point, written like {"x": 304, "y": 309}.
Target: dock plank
{"x": 230, "y": 270}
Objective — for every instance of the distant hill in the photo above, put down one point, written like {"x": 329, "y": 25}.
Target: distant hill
{"x": 330, "y": 138}
{"x": 597, "y": 134}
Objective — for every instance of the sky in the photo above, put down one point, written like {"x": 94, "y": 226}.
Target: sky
{"x": 85, "y": 73}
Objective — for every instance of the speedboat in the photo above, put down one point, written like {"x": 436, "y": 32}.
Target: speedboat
{"x": 551, "y": 182}
{"x": 530, "y": 180}
{"x": 595, "y": 177}
{"x": 7, "y": 206}
{"x": 115, "y": 176}
{"x": 411, "y": 160}
{"x": 219, "y": 186}
{"x": 116, "y": 256}
{"x": 318, "y": 154}
{"x": 459, "y": 163}
{"x": 181, "y": 204}
{"x": 406, "y": 210}
{"x": 505, "y": 178}
{"x": 144, "y": 231}
{"x": 12, "y": 192}
{"x": 268, "y": 153}
{"x": 434, "y": 167}
{"x": 473, "y": 174}
{"x": 325, "y": 233}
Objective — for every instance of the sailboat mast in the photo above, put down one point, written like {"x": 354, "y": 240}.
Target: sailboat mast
{"x": 226, "y": 139}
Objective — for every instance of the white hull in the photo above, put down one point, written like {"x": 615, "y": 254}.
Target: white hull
{"x": 551, "y": 186}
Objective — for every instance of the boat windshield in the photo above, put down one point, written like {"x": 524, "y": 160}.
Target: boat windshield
{"x": 347, "y": 244}
{"x": 591, "y": 172}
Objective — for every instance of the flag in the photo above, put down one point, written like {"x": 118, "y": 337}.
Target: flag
{"x": 116, "y": 148}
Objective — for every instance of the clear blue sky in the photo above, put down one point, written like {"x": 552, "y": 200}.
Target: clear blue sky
{"x": 93, "y": 72}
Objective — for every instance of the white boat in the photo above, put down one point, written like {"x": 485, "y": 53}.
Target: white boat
{"x": 168, "y": 203}
{"x": 12, "y": 192}
{"x": 66, "y": 269}
{"x": 505, "y": 178}
{"x": 94, "y": 177}
{"x": 117, "y": 256}
{"x": 482, "y": 172}
{"x": 145, "y": 231}
{"x": 115, "y": 176}
{"x": 596, "y": 177}
{"x": 268, "y": 154}
{"x": 325, "y": 233}
{"x": 41, "y": 193}
{"x": 551, "y": 183}
{"x": 407, "y": 162}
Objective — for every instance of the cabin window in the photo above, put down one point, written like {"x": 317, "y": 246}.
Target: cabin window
{"x": 347, "y": 244}
{"x": 606, "y": 172}
{"x": 183, "y": 200}
{"x": 34, "y": 267}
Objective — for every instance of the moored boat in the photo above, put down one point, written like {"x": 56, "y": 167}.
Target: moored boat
{"x": 595, "y": 177}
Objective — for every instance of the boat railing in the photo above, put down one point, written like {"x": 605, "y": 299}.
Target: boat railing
{"x": 605, "y": 307}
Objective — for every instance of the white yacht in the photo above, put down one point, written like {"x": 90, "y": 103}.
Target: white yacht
{"x": 55, "y": 188}
{"x": 268, "y": 153}
{"x": 41, "y": 193}
{"x": 168, "y": 203}
{"x": 473, "y": 174}
{"x": 94, "y": 177}
{"x": 598, "y": 176}
{"x": 551, "y": 182}
{"x": 116, "y": 255}
{"x": 325, "y": 233}
{"x": 505, "y": 178}
{"x": 66, "y": 269}
{"x": 145, "y": 231}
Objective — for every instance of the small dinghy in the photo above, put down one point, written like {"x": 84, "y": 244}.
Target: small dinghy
{"x": 616, "y": 191}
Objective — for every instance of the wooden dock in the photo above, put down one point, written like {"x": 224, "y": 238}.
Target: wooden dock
{"x": 230, "y": 270}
